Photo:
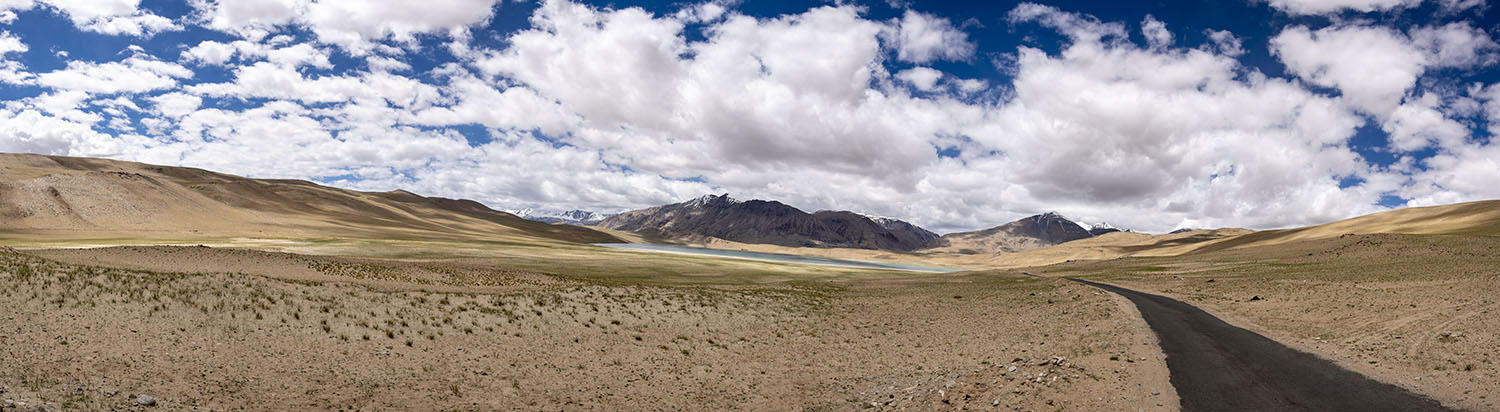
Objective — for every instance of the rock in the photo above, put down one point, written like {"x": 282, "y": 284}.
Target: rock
{"x": 1255, "y": 298}
{"x": 1449, "y": 336}
{"x": 1210, "y": 281}
{"x": 1010, "y": 369}
{"x": 145, "y": 400}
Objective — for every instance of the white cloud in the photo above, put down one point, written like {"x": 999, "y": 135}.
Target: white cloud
{"x": 267, "y": 80}
{"x": 176, "y": 104}
{"x": 352, "y": 24}
{"x": 114, "y": 17}
{"x": 12, "y": 71}
{"x": 1455, "y": 45}
{"x": 209, "y": 52}
{"x": 1178, "y": 136}
{"x": 1373, "y": 67}
{"x": 924, "y": 78}
{"x": 293, "y": 56}
{"x": 1334, "y": 6}
{"x": 1419, "y": 123}
{"x": 132, "y": 75}
{"x": 11, "y": 44}
{"x": 386, "y": 64}
{"x": 1157, "y": 35}
{"x": 1225, "y": 43}
{"x": 1082, "y": 29}
{"x": 924, "y": 38}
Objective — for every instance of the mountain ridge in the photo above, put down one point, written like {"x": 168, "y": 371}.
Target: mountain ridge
{"x": 768, "y": 222}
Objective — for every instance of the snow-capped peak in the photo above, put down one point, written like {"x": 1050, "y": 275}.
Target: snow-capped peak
{"x": 576, "y": 216}
{"x": 880, "y": 219}
{"x": 705, "y": 200}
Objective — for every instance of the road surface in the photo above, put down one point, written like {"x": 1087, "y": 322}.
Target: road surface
{"x": 1218, "y": 367}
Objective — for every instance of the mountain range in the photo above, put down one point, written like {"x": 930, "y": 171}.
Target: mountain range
{"x": 775, "y": 223}
{"x": 571, "y": 217}
{"x": 62, "y": 197}
{"x": 770, "y": 222}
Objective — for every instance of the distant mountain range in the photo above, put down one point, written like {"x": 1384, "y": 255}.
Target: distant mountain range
{"x": 1028, "y": 233}
{"x": 771, "y": 222}
{"x": 571, "y": 217}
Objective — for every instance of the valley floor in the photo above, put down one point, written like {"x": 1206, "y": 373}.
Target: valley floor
{"x": 431, "y": 325}
{"x": 221, "y": 329}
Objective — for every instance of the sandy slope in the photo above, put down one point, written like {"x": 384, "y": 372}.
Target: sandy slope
{"x": 73, "y": 198}
{"x": 1473, "y": 218}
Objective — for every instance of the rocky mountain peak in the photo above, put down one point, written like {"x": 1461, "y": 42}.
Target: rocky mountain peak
{"x": 711, "y": 200}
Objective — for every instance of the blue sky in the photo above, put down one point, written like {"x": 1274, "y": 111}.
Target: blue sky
{"x": 1151, "y": 116}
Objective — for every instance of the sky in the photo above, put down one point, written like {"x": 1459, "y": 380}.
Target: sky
{"x": 1151, "y": 115}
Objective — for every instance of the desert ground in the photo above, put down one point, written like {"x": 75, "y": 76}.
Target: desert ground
{"x": 223, "y": 328}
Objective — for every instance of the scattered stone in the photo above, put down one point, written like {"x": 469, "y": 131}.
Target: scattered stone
{"x": 1449, "y": 336}
{"x": 145, "y": 400}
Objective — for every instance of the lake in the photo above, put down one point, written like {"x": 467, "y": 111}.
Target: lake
{"x": 775, "y": 257}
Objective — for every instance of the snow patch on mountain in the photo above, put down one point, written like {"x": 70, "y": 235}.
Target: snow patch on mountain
{"x": 572, "y": 217}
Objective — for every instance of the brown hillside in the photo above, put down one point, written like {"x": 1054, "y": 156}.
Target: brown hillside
{"x": 81, "y": 197}
{"x": 1480, "y": 218}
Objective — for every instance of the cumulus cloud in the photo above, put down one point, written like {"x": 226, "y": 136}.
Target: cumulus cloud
{"x": 1372, "y": 67}
{"x": 1175, "y": 134}
{"x": 923, "y": 38}
{"x": 923, "y": 78}
{"x": 12, "y": 71}
{"x": 1333, "y": 7}
{"x": 132, "y": 75}
{"x": 209, "y": 52}
{"x": 1225, "y": 43}
{"x": 176, "y": 104}
{"x": 1156, "y": 33}
{"x": 114, "y": 17}
{"x": 1455, "y": 45}
{"x": 353, "y": 24}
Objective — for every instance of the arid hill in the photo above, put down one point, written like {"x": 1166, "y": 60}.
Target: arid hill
{"x": 1480, "y": 218}
{"x": 1028, "y": 233}
{"x": 68, "y": 197}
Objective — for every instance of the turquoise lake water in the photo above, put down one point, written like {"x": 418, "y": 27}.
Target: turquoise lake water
{"x": 777, "y": 257}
